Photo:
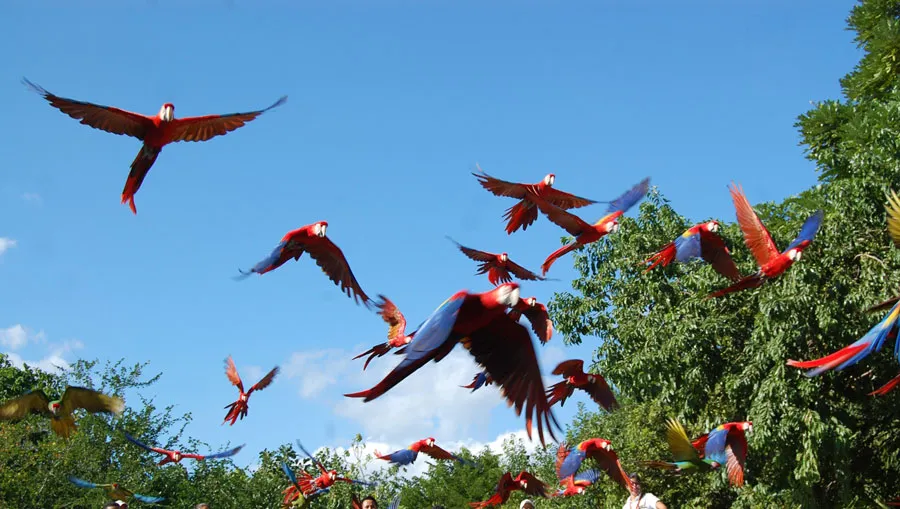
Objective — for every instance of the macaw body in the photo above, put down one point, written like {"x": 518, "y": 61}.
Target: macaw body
{"x": 239, "y": 408}
{"x": 577, "y": 484}
{"x": 409, "y": 455}
{"x": 727, "y": 445}
{"x": 293, "y": 494}
{"x": 500, "y": 345}
{"x": 569, "y": 460}
{"x": 698, "y": 241}
{"x": 498, "y": 267}
{"x": 397, "y": 336}
{"x": 583, "y": 232}
{"x": 687, "y": 459}
{"x": 758, "y": 239}
{"x": 525, "y": 481}
{"x": 481, "y": 379}
{"x": 575, "y": 378}
{"x": 60, "y": 410}
{"x": 311, "y": 486}
{"x": 524, "y": 213}
{"x": 537, "y": 315}
{"x": 177, "y": 456}
{"x": 114, "y": 491}
{"x": 155, "y": 131}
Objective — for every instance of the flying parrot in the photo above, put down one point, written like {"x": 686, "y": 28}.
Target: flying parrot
{"x": 481, "y": 379}
{"x": 575, "y": 378}
{"x": 698, "y": 241}
{"x": 155, "y": 131}
{"x": 525, "y": 481}
{"x": 524, "y": 213}
{"x": 727, "y": 444}
{"x": 497, "y": 266}
{"x": 293, "y": 494}
{"x": 499, "y": 344}
{"x": 409, "y": 455}
{"x": 358, "y": 505}
{"x": 771, "y": 263}
{"x": 586, "y": 233}
{"x": 114, "y": 491}
{"x": 537, "y": 315}
{"x": 60, "y": 410}
{"x": 687, "y": 459}
{"x": 177, "y": 456}
{"x": 577, "y": 484}
{"x": 310, "y": 485}
{"x": 239, "y": 408}
{"x": 397, "y": 336}
{"x": 311, "y": 239}
{"x": 568, "y": 460}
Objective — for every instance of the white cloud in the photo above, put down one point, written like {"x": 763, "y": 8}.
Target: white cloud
{"x": 52, "y": 363}
{"x": 17, "y": 336}
{"x": 32, "y": 198}
{"x": 316, "y": 369}
{"x": 6, "y": 243}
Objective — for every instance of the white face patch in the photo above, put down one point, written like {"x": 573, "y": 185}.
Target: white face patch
{"x": 549, "y": 179}
{"x": 319, "y": 229}
{"x": 795, "y": 255}
{"x": 166, "y": 113}
{"x": 712, "y": 226}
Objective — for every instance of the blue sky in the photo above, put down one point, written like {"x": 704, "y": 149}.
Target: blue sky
{"x": 390, "y": 106}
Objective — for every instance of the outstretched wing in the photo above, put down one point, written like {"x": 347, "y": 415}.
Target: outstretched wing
{"x": 264, "y": 381}
{"x": 534, "y": 486}
{"x": 290, "y": 475}
{"x": 438, "y": 453}
{"x": 34, "y": 402}
{"x": 681, "y": 447}
{"x": 232, "y": 374}
{"x": 81, "y": 483}
{"x": 474, "y": 254}
{"x": 313, "y": 458}
{"x": 144, "y": 446}
{"x": 355, "y": 502}
{"x": 561, "y": 454}
{"x": 521, "y": 272}
{"x": 629, "y": 198}
{"x": 756, "y": 236}
{"x": 540, "y": 321}
{"x": 569, "y": 368}
{"x": 500, "y": 187}
{"x": 219, "y": 455}
{"x": 600, "y": 392}
{"x": 391, "y": 314}
{"x": 147, "y": 499}
{"x": 565, "y": 220}
{"x": 714, "y": 251}
{"x": 609, "y": 461}
{"x": 893, "y": 217}
{"x": 565, "y": 200}
{"x": 90, "y": 400}
{"x": 736, "y": 457}
{"x": 334, "y": 264}
{"x": 208, "y": 126}
{"x": 808, "y": 230}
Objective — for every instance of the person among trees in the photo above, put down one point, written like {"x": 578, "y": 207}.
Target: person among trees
{"x": 640, "y": 500}
{"x": 369, "y": 503}
{"x": 526, "y": 504}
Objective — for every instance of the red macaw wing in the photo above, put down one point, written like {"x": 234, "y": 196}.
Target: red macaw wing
{"x": 561, "y": 454}
{"x": 714, "y": 251}
{"x": 563, "y": 199}
{"x": 533, "y": 485}
{"x": 737, "y": 457}
{"x": 756, "y": 236}
{"x": 540, "y": 321}
{"x": 569, "y": 368}
{"x": 355, "y": 501}
{"x": 507, "y": 353}
{"x": 478, "y": 256}
{"x": 208, "y": 126}
{"x": 333, "y": 262}
{"x": 500, "y": 187}
{"x": 886, "y": 388}
{"x": 436, "y": 452}
{"x": 521, "y": 272}
{"x": 232, "y": 374}
{"x": 264, "y": 381}
{"x": 700, "y": 444}
{"x": 568, "y": 222}
{"x": 144, "y": 446}
{"x": 106, "y": 118}
{"x": 600, "y": 392}
{"x": 391, "y": 314}
{"x": 609, "y": 461}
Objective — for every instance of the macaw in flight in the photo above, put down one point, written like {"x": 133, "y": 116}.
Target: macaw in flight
{"x": 358, "y": 505}
{"x": 409, "y": 455}
{"x": 239, "y": 408}
{"x": 499, "y": 344}
{"x": 575, "y": 378}
{"x": 177, "y": 456}
{"x": 497, "y": 266}
{"x": 311, "y": 239}
{"x": 583, "y": 232}
{"x": 524, "y": 213}
{"x": 311, "y": 486}
{"x": 568, "y": 460}
{"x": 155, "y": 131}
{"x": 397, "y": 336}
{"x": 758, "y": 239}
{"x": 687, "y": 459}
{"x": 293, "y": 494}
{"x": 525, "y": 481}
{"x": 727, "y": 444}
{"x": 537, "y": 315}
{"x": 698, "y": 241}
{"x": 114, "y": 491}
{"x": 577, "y": 484}
{"x": 60, "y": 410}
{"x": 481, "y": 379}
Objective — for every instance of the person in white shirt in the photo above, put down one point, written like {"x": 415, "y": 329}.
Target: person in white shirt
{"x": 526, "y": 504}
{"x": 639, "y": 499}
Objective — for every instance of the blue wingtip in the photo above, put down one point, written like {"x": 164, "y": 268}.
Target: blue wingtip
{"x": 288, "y": 472}
{"x": 395, "y": 504}
{"x": 809, "y": 229}
{"x": 80, "y": 483}
{"x": 630, "y": 197}
{"x": 148, "y": 500}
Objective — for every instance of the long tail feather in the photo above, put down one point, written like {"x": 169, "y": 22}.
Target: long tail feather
{"x": 568, "y": 248}
{"x": 752, "y": 281}
{"x": 886, "y": 388}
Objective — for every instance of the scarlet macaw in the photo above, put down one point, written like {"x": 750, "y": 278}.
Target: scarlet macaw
{"x": 155, "y": 131}
{"x": 537, "y": 315}
{"x": 293, "y": 494}
{"x": 727, "y": 444}
{"x": 575, "y": 378}
{"x": 525, "y": 481}
{"x": 497, "y": 266}
{"x": 482, "y": 378}
{"x": 771, "y": 263}
{"x": 310, "y": 485}
{"x": 568, "y": 460}
{"x": 177, "y": 456}
{"x": 698, "y": 241}
{"x": 687, "y": 460}
{"x": 409, "y": 455}
{"x": 60, "y": 410}
{"x": 239, "y": 408}
{"x": 587, "y": 233}
{"x": 397, "y": 336}
{"x": 498, "y": 343}
{"x": 577, "y": 484}
{"x": 114, "y": 491}
{"x": 524, "y": 213}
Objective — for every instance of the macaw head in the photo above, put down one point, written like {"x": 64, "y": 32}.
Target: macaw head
{"x": 115, "y": 485}
{"x": 506, "y": 295}
{"x": 319, "y": 228}
{"x": 712, "y": 226}
{"x": 243, "y": 397}
{"x": 747, "y": 426}
{"x": 523, "y": 483}
{"x": 591, "y": 378}
{"x": 579, "y": 490}
{"x": 176, "y": 456}
{"x": 167, "y": 112}
{"x": 503, "y": 257}
{"x": 532, "y": 302}
{"x": 429, "y": 442}
{"x": 332, "y": 474}
{"x": 549, "y": 180}
{"x": 611, "y": 226}
{"x": 54, "y": 407}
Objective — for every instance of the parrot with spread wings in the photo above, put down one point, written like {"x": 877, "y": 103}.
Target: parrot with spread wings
{"x": 758, "y": 239}
{"x": 358, "y": 505}
{"x": 311, "y": 486}
{"x": 397, "y": 336}
{"x": 537, "y": 315}
{"x": 481, "y": 379}
{"x": 577, "y": 484}
{"x": 698, "y": 241}
{"x": 569, "y": 460}
{"x": 502, "y": 346}
{"x": 409, "y": 455}
{"x": 687, "y": 459}
{"x": 155, "y": 131}
{"x": 524, "y": 213}
{"x": 293, "y": 494}
{"x": 60, "y": 410}
{"x": 177, "y": 456}
{"x": 239, "y": 408}
{"x": 115, "y": 491}
{"x": 525, "y": 481}
{"x": 311, "y": 239}
{"x": 498, "y": 267}
{"x": 575, "y": 378}
{"x": 727, "y": 444}
{"x": 583, "y": 232}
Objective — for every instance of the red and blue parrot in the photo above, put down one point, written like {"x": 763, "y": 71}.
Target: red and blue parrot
{"x": 115, "y": 491}
{"x": 481, "y": 379}
{"x": 771, "y": 263}
{"x": 698, "y": 241}
{"x": 525, "y": 481}
{"x": 568, "y": 461}
{"x": 577, "y": 484}
{"x": 727, "y": 445}
{"x": 502, "y": 346}
{"x": 311, "y": 486}
{"x": 293, "y": 494}
{"x": 177, "y": 456}
{"x": 409, "y": 455}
